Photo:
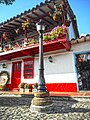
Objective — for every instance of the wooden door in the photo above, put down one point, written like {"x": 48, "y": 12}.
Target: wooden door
{"x": 16, "y": 74}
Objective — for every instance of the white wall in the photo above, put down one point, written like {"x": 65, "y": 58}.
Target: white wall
{"x": 81, "y": 47}
{"x": 61, "y": 70}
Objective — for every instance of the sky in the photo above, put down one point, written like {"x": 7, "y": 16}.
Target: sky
{"x": 81, "y": 9}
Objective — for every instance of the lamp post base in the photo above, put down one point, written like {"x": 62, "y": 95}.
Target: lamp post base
{"x": 41, "y": 103}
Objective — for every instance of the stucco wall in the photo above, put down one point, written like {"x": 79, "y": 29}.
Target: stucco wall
{"x": 81, "y": 47}
{"x": 61, "y": 70}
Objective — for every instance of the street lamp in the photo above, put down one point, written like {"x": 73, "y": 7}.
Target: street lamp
{"x": 41, "y": 82}
{"x": 41, "y": 101}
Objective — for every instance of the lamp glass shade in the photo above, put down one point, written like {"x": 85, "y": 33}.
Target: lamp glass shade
{"x": 40, "y": 26}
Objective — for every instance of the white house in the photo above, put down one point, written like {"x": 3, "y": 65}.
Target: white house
{"x": 19, "y": 55}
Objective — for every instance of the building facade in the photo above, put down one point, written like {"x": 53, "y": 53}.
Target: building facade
{"x": 19, "y": 54}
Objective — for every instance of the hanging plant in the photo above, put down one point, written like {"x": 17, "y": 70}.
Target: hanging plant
{"x": 5, "y": 36}
{"x": 58, "y": 11}
{"x": 56, "y": 17}
{"x": 26, "y": 24}
{"x": 68, "y": 23}
{"x": 17, "y": 31}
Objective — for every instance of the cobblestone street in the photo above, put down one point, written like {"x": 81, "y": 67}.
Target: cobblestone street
{"x": 18, "y": 108}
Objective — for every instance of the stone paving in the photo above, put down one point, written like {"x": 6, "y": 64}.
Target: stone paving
{"x": 18, "y": 108}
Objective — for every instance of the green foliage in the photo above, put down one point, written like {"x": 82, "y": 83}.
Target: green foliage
{"x": 27, "y": 86}
{"x": 7, "y": 2}
{"x": 34, "y": 86}
{"x": 54, "y": 33}
{"x": 58, "y": 11}
{"x": 2, "y": 87}
{"x": 26, "y": 24}
{"x": 21, "y": 85}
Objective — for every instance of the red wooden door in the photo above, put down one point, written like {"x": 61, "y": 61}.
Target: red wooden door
{"x": 16, "y": 74}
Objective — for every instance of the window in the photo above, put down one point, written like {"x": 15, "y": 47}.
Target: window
{"x": 15, "y": 67}
{"x": 28, "y": 68}
{"x": 19, "y": 67}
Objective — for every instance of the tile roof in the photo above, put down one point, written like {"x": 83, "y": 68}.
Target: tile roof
{"x": 39, "y": 12}
{"x": 81, "y": 39}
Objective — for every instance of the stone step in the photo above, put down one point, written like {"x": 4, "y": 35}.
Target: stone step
{"x": 16, "y": 89}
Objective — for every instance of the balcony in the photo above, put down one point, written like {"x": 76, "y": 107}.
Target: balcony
{"x": 21, "y": 47}
{"x": 55, "y": 39}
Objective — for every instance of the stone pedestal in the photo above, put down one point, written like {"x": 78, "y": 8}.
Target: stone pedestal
{"x": 41, "y": 103}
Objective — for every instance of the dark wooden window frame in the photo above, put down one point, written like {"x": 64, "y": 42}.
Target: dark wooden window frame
{"x": 28, "y": 70}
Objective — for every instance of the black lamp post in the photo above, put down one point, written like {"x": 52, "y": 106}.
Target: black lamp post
{"x": 41, "y": 101}
{"x": 41, "y": 82}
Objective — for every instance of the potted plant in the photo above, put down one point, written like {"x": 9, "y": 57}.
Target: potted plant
{"x": 2, "y": 87}
{"x": 32, "y": 41}
{"x": 5, "y": 36}
{"x": 55, "y": 33}
{"x": 26, "y": 24}
{"x": 46, "y": 37}
{"x": 16, "y": 46}
{"x": 21, "y": 86}
{"x": 34, "y": 87}
{"x": 68, "y": 23}
{"x": 27, "y": 88}
{"x": 58, "y": 11}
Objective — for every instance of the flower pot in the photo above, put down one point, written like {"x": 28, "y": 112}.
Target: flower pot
{"x": 67, "y": 23}
{"x": 56, "y": 17}
{"x": 80, "y": 60}
{"x": 34, "y": 90}
{"x": 21, "y": 90}
{"x": 26, "y": 90}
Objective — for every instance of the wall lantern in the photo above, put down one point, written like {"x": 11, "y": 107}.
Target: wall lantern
{"x": 50, "y": 59}
{"x": 4, "y": 65}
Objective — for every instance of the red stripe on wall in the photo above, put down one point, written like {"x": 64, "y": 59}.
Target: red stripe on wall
{"x": 57, "y": 87}
{"x": 61, "y": 87}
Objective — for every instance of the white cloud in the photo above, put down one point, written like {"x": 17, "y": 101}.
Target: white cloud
{"x": 83, "y": 34}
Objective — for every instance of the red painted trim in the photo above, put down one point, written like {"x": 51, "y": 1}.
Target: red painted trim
{"x": 56, "y": 87}
{"x": 28, "y": 59}
{"x": 60, "y": 43}
{"x": 61, "y": 87}
{"x": 67, "y": 45}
